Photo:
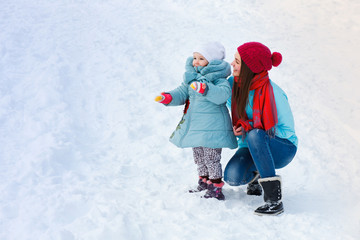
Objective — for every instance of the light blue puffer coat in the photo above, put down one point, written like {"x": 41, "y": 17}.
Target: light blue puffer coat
{"x": 285, "y": 128}
{"x": 207, "y": 121}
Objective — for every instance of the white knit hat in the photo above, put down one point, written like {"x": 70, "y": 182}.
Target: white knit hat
{"x": 211, "y": 51}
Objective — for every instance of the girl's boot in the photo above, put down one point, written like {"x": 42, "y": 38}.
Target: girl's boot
{"x": 272, "y": 196}
{"x": 214, "y": 191}
{"x": 202, "y": 185}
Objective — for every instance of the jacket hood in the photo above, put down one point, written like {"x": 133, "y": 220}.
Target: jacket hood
{"x": 214, "y": 70}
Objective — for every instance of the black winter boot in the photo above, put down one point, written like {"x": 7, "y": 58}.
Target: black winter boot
{"x": 254, "y": 187}
{"x": 272, "y": 196}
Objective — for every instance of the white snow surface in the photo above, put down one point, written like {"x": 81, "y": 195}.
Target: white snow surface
{"x": 84, "y": 147}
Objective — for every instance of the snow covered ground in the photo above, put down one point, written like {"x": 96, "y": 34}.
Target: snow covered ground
{"x": 84, "y": 148}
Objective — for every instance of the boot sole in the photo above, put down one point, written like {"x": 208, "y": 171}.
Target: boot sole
{"x": 269, "y": 214}
{"x": 195, "y": 190}
{"x": 253, "y": 194}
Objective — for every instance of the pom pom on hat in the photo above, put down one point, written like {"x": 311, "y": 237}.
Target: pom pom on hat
{"x": 211, "y": 51}
{"x": 258, "y": 57}
{"x": 276, "y": 59}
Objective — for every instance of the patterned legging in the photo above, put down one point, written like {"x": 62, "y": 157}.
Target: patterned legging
{"x": 208, "y": 161}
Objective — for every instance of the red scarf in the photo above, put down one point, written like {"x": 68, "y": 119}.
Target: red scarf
{"x": 264, "y": 106}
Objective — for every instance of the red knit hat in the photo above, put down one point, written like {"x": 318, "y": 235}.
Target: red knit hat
{"x": 258, "y": 57}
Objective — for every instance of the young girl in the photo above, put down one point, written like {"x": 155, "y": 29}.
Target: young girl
{"x": 206, "y": 124}
{"x": 264, "y": 123}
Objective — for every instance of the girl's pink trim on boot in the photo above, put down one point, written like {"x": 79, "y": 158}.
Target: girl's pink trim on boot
{"x": 203, "y": 179}
{"x": 219, "y": 185}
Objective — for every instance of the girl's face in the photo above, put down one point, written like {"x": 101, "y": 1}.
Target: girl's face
{"x": 236, "y": 64}
{"x": 199, "y": 60}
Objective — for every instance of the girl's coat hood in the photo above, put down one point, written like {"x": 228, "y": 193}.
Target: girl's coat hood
{"x": 214, "y": 70}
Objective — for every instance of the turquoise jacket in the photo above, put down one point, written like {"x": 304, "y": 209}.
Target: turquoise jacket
{"x": 285, "y": 128}
{"x": 206, "y": 122}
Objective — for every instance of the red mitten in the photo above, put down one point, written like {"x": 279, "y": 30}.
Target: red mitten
{"x": 199, "y": 87}
{"x": 164, "y": 98}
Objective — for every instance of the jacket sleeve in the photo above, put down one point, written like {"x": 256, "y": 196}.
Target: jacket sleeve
{"x": 231, "y": 82}
{"x": 220, "y": 92}
{"x": 285, "y": 127}
{"x": 179, "y": 95}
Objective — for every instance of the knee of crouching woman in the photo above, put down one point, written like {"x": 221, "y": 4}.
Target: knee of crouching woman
{"x": 255, "y": 135}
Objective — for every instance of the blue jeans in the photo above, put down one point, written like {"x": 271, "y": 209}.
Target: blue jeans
{"x": 265, "y": 154}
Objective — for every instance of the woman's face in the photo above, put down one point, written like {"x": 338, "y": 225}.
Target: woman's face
{"x": 236, "y": 64}
{"x": 199, "y": 60}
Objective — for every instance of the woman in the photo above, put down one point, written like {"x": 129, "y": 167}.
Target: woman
{"x": 263, "y": 122}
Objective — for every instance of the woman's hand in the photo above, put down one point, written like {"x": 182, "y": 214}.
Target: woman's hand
{"x": 238, "y": 131}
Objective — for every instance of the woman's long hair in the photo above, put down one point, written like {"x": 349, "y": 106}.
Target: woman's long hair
{"x": 241, "y": 90}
